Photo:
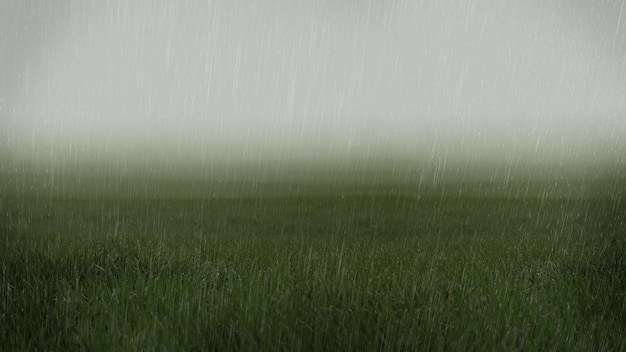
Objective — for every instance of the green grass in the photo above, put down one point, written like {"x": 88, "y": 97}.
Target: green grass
{"x": 351, "y": 272}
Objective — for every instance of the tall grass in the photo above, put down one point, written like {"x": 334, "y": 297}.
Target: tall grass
{"x": 316, "y": 273}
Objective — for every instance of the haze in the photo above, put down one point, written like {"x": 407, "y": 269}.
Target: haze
{"x": 239, "y": 80}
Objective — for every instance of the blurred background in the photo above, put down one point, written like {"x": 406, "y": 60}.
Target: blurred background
{"x": 277, "y": 81}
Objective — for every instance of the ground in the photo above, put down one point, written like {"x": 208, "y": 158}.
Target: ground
{"x": 306, "y": 267}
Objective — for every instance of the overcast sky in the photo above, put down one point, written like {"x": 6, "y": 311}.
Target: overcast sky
{"x": 312, "y": 78}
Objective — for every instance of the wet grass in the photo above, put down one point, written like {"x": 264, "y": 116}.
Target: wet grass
{"x": 355, "y": 272}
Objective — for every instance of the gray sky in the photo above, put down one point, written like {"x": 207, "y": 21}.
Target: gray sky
{"x": 313, "y": 78}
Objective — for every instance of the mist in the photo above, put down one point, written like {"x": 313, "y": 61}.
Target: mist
{"x": 240, "y": 81}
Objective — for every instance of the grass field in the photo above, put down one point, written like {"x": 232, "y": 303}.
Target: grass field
{"x": 333, "y": 270}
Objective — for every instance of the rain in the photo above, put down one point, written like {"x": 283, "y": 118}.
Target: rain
{"x": 313, "y": 79}
{"x": 298, "y": 151}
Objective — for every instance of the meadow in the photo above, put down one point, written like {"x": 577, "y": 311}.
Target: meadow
{"x": 360, "y": 269}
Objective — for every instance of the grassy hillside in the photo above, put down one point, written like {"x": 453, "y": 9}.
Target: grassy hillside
{"x": 347, "y": 270}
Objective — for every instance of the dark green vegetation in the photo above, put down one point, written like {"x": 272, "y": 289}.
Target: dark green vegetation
{"x": 372, "y": 270}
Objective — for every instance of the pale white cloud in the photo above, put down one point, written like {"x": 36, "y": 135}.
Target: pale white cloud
{"x": 322, "y": 77}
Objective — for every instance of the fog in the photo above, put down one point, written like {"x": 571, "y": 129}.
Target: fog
{"x": 248, "y": 80}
